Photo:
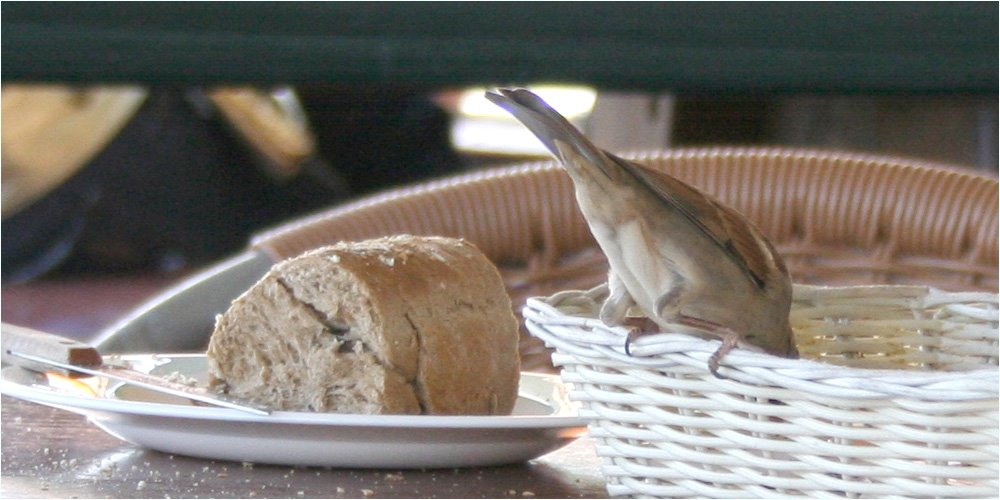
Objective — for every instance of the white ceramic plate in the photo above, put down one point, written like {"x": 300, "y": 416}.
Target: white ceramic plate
{"x": 543, "y": 420}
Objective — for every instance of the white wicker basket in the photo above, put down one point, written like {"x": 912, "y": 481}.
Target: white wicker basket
{"x": 902, "y": 404}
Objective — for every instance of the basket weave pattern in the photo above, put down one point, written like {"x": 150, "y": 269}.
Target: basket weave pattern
{"x": 847, "y": 427}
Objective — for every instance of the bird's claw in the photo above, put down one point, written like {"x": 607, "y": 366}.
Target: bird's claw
{"x": 637, "y": 327}
{"x": 632, "y": 335}
{"x": 729, "y": 342}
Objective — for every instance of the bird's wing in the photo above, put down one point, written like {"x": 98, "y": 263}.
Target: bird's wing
{"x": 726, "y": 227}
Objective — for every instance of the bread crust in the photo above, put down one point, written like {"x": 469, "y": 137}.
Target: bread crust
{"x": 402, "y": 324}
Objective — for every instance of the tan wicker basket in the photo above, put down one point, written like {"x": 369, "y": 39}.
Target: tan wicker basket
{"x": 904, "y": 403}
{"x": 837, "y": 218}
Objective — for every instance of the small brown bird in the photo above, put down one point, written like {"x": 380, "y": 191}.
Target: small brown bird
{"x": 688, "y": 261}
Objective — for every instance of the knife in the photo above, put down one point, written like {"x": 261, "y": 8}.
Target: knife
{"x": 46, "y": 352}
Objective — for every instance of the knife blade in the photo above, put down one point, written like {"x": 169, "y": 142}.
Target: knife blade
{"x": 46, "y": 352}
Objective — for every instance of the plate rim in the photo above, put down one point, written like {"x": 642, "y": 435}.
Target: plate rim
{"x": 564, "y": 417}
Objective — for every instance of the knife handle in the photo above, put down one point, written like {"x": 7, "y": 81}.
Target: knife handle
{"x": 45, "y": 345}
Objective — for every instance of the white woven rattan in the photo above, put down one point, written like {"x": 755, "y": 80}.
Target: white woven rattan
{"x": 895, "y": 395}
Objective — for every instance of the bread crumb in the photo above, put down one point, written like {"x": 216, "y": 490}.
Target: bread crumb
{"x": 180, "y": 378}
{"x": 141, "y": 485}
{"x": 394, "y": 477}
{"x": 528, "y": 494}
{"x": 367, "y": 493}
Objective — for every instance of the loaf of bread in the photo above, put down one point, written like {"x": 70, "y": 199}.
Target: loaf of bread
{"x": 398, "y": 325}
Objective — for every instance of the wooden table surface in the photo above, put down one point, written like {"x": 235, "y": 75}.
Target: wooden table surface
{"x": 53, "y": 453}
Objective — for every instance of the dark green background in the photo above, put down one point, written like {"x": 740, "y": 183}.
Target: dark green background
{"x": 840, "y": 47}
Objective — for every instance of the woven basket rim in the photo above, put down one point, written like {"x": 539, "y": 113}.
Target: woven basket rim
{"x": 543, "y": 164}
{"x": 776, "y": 151}
{"x": 588, "y": 337}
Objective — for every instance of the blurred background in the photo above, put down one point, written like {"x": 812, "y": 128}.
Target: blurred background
{"x": 159, "y": 137}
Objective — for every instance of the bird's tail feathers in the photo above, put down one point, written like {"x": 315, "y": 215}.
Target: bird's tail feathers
{"x": 546, "y": 123}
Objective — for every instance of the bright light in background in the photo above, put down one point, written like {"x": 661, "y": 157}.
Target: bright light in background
{"x": 483, "y": 127}
{"x": 571, "y": 102}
